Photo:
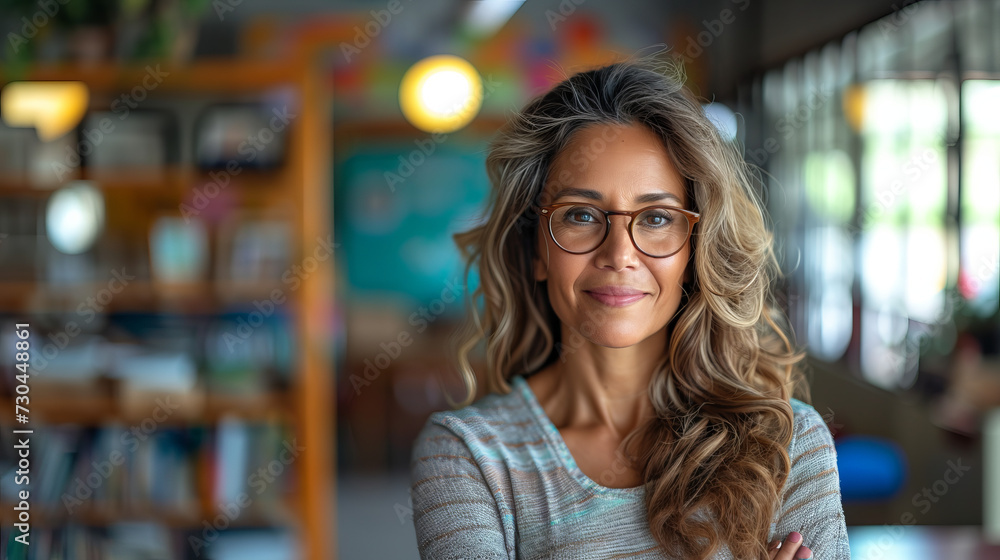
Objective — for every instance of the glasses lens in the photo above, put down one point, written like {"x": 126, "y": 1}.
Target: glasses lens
{"x": 578, "y": 228}
{"x": 659, "y": 231}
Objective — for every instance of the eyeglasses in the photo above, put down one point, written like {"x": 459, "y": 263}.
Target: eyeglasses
{"x": 656, "y": 231}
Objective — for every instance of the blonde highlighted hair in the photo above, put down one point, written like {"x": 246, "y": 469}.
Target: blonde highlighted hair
{"x": 721, "y": 393}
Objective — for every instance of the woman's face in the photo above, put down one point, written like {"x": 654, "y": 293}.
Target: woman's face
{"x": 613, "y": 167}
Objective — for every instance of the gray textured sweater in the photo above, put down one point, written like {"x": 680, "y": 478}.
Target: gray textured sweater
{"x": 496, "y": 480}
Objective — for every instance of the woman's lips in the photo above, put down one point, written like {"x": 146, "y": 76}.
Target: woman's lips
{"x": 613, "y": 300}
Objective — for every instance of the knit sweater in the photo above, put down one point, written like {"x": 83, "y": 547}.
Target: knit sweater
{"x": 496, "y": 480}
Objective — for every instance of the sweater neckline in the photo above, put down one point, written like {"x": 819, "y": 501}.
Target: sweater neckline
{"x": 562, "y": 450}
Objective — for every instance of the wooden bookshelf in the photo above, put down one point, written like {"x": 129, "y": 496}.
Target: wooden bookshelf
{"x": 170, "y": 182}
{"x": 190, "y": 518}
{"x": 199, "y": 408}
{"x": 304, "y": 185}
{"x": 139, "y": 296}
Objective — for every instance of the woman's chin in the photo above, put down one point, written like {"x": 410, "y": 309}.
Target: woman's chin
{"x": 618, "y": 338}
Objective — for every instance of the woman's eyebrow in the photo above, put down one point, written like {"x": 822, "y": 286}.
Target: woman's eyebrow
{"x": 657, "y": 196}
{"x": 595, "y": 195}
{"x": 582, "y": 193}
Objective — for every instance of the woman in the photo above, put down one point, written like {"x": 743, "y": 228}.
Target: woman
{"x": 640, "y": 382}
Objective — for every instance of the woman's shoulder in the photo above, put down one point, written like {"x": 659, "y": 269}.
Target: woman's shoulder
{"x": 806, "y": 416}
{"x": 812, "y": 441}
{"x": 493, "y": 420}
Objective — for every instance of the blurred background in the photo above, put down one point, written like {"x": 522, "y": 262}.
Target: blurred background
{"x": 227, "y": 278}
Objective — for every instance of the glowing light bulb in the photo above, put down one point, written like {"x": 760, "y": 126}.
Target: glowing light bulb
{"x": 52, "y": 108}
{"x": 441, "y": 94}
{"x": 74, "y": 216}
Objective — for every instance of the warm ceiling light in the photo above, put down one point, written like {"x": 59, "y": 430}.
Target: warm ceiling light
{"x": 52, "y": 108}
{"x": 441, "y": 93}
{"x": 853, "y": 105}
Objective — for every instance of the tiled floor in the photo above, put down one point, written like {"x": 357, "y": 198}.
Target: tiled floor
{"x": 373, "y": 518}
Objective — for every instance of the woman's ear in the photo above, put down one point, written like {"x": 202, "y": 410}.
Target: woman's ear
{"x": 541, "y": 270}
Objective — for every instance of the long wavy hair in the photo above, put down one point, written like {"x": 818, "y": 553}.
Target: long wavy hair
{"x": 718, "y": 443}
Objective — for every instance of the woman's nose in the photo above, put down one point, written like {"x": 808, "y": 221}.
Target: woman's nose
{"x": 618, "y": 250}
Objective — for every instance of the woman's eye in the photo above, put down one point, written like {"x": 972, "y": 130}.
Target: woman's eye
{"x": 582, "y": 216}
{"x": 658, "y": 219}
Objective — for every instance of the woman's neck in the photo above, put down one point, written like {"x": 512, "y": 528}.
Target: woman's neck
{"x": 598, "y": 387}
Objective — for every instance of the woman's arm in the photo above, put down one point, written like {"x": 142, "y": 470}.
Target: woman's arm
{"x": 811, "y": 501}
{"x": 454, "y": 512}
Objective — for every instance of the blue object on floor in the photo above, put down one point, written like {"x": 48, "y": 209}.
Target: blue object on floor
{"x": 871, "y": 468}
